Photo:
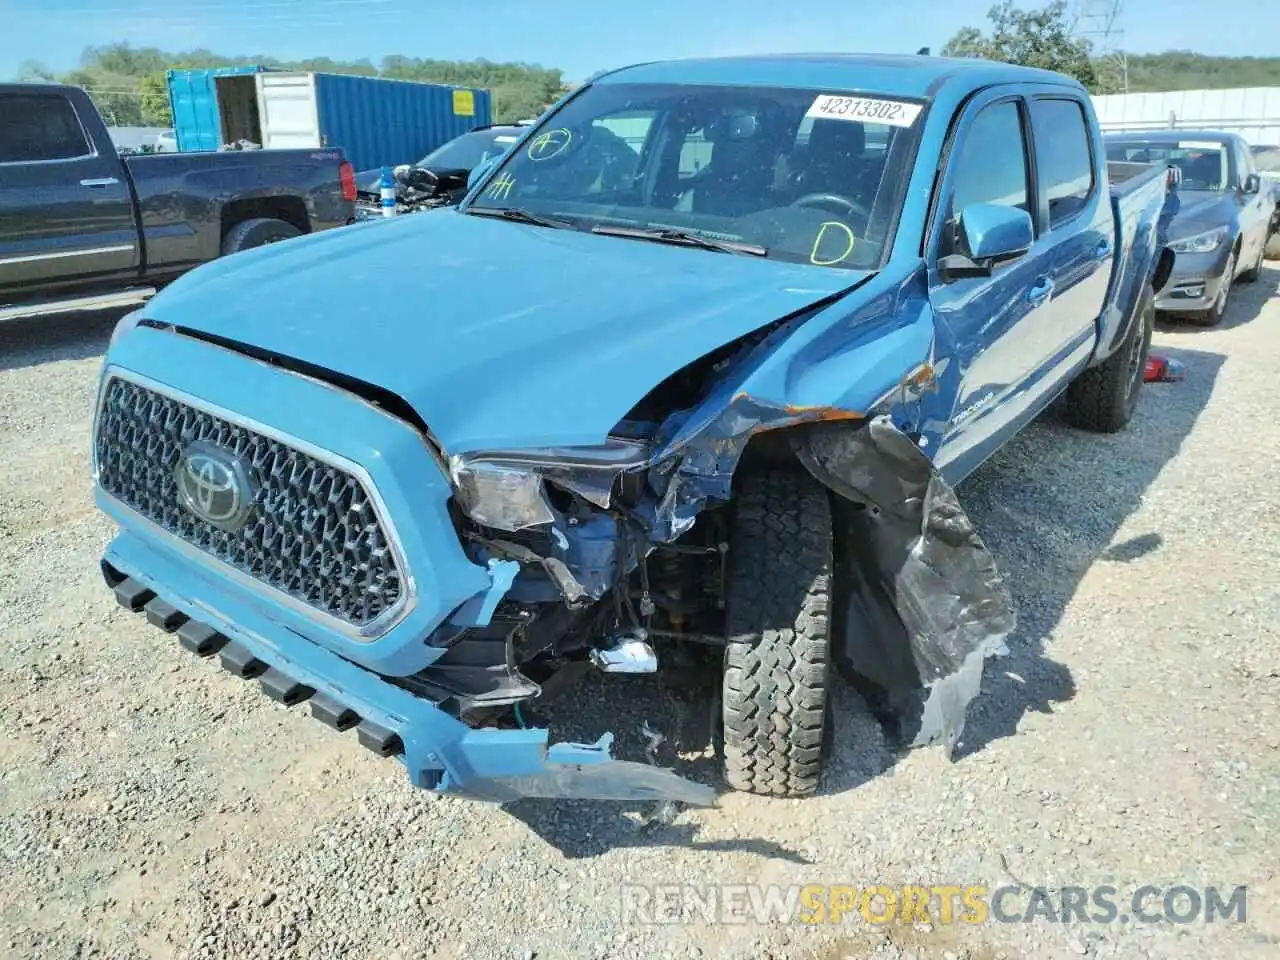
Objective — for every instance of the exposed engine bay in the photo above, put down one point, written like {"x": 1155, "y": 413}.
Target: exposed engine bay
{"x": 417, "y": 189}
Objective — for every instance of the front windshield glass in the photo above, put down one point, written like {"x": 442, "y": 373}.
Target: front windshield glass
{"x": 808, "y": 176}
{"x": 469, "y": 150}
{"x": 1203, "y": 162}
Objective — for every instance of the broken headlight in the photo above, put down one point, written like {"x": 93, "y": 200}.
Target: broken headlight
{"x": 506, "y": 490}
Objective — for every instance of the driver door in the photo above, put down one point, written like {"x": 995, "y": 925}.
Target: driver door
{"x": 992, "y": 320}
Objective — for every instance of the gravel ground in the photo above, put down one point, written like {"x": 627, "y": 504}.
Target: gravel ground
{"x": 152, "y": 806}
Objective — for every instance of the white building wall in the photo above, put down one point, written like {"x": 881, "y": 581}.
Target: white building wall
{"x": 1252, "y": 112}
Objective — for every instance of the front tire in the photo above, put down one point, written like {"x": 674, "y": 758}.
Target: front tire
{"x": 1103, "y": 398}
{"x": 776, "y": 673}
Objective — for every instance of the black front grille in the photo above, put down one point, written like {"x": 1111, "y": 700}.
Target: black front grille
{"x": 312, "y": 533}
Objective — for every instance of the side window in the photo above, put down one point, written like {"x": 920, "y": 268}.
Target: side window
{"x": 991, "y": 166}
{"x": 39, "y": 127}
{"x": 1064, "y": 163}
{"x": 1244, "y": 162}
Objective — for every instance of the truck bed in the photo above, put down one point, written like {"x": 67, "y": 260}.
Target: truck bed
{"x": 183, "y": 197}
{"x": 1143, "y": 202}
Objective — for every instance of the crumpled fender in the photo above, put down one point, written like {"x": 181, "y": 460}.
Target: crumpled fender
{"x": 905, "y": 544}
{"x": 867, "y": 381}
{"x": 875, "y": 353}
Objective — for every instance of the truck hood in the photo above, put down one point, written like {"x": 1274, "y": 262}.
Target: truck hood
{"x": 499, "y": 334}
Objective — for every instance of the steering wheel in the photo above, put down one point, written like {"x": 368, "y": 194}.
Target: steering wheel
{"x": 833, "y": 200}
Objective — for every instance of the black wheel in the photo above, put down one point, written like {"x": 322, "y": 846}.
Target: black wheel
{"x": 777, "y": 607}
{"x": 257, "y": 232}
{"x": 1213, "y": 316}
{"x": 1103, "y": 398}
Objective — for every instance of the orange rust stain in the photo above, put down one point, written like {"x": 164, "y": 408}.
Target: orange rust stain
{"x": 814, "y": 413}
{"x": 922, "y": 376}
{"x": 821, "y": 413}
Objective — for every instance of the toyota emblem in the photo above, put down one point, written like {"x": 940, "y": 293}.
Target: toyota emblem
{"x": 215, "y": 485}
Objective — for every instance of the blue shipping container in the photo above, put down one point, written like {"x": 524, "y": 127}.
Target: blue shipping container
{"x": 376, "y": 122}
{"x": 193, "y": 98}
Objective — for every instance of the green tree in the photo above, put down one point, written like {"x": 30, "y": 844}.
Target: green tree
{"x": 1033, "y": 38}
{"x": 154, "y": 100}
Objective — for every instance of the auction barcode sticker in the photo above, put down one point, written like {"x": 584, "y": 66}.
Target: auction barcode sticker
{"x": 895, "y": 113}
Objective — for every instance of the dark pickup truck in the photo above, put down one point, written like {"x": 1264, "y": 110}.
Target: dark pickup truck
{"x": 83, "y": 228}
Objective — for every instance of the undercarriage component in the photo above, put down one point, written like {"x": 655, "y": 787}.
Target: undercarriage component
{"x": 627, "y": 652}
{"x": 477, "y": 670}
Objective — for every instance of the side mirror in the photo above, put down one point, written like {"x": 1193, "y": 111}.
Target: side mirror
{"x": 481, "y": 171}
{"x": 987, "y": 235}
{"x": 1252, "y": 183}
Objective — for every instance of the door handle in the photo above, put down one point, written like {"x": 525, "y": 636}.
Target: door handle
{"x": 1104, "y": 250}
{"x": 1040, "y": 292}
{"x": 99, "y": 182}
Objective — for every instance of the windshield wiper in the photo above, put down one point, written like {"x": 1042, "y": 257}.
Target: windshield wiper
{"x": 684, "y": 238}
{"x": 520, "y": 216}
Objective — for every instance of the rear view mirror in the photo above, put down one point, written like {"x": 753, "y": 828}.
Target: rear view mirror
{"x": 987, "y": 235}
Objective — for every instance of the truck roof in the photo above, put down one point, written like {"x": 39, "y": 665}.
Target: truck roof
{"x": 905, "y": 75}
{"x": 36, "y": 86}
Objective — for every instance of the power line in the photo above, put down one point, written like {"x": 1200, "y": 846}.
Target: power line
{"x": 1098, "y": 21}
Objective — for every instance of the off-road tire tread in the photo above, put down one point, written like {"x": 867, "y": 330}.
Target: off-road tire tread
{"x": 1096, "y": 398}
{"x": 776, "y": 665}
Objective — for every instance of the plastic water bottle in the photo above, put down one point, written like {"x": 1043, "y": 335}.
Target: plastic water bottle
{"x": 388, "y": 190}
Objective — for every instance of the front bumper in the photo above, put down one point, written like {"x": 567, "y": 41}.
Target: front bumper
{"x": 1195, "y": 282}
{"x": 439, "y": 751}
{"x": 350, "y": 681}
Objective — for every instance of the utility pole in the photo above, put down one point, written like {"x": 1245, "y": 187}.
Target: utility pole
{"x": 1098, "y": 21}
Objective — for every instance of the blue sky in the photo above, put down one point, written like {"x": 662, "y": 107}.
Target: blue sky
{"x": 580, "y": 36}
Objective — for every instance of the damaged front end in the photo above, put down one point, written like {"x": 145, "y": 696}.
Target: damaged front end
{"x": 538, "y": 565}
{"x": 623, "y": 550}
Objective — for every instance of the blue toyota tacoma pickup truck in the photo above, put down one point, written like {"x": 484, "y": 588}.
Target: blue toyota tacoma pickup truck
{"x": 688, "y": 377}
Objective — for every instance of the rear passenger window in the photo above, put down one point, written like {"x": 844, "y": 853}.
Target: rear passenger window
{"x": 1063, "y": 160}
{"x": 39, "y": 127}
{"x": 992, "y": 163}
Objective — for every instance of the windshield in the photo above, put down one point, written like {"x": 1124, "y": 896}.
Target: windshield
{"x": 797, "y": 175}
{"x": 1203, "y": 162}
{"x": 469, "y": 150}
